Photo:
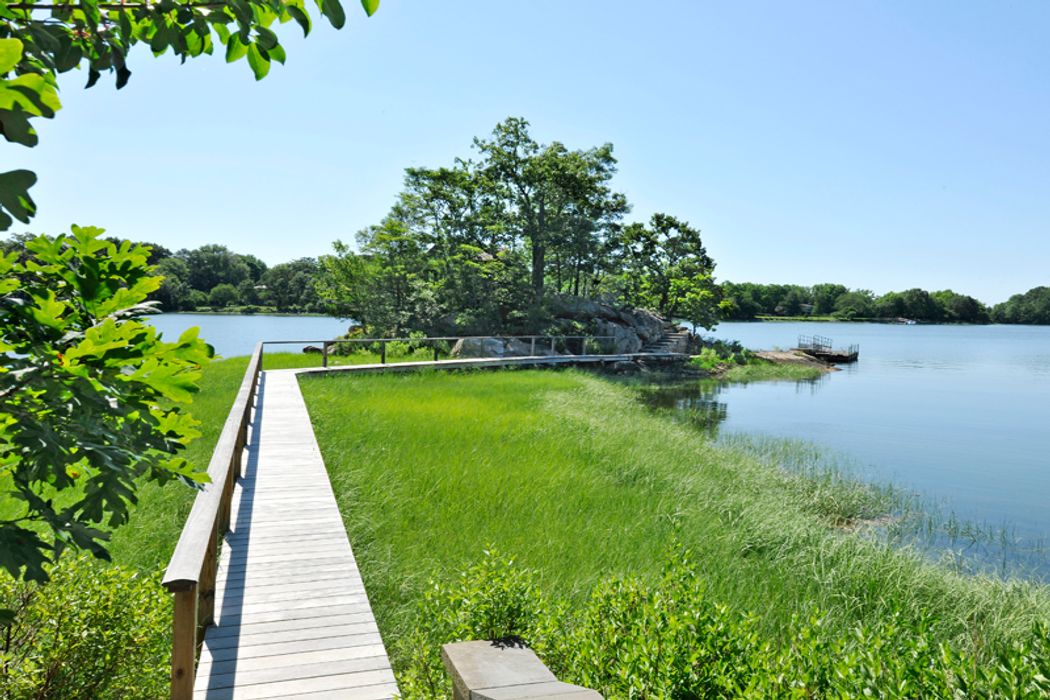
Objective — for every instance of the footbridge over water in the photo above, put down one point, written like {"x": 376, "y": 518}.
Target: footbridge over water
{"x": 268, "y": 599}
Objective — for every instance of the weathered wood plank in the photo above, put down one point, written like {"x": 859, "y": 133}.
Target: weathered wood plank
{"x": 272, "y": 674}
{"x": 293, "y": 616}
{"x": 300, "y": 658}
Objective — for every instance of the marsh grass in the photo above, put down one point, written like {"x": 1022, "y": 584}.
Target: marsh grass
{"x": 147, "y": 540}
{"x": 758, "y": 369}
{"x": 396, "y": 352}
{"x": 574, "y": 478}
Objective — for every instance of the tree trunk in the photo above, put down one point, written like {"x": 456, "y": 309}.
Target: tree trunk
{"x": 539, "y": 253}
{"x": 539, "y": 261}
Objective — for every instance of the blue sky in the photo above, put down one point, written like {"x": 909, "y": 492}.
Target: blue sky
{"x": 883, "y": 145}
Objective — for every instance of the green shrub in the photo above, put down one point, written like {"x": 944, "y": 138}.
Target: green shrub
{"x": 669, "y": 639}
{"x": 94, "y": 632}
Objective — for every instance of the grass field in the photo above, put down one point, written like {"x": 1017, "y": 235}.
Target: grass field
{"x": 571, "y": 476}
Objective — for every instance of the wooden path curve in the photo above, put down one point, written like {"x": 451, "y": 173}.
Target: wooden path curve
{"x": 292, "y": 616}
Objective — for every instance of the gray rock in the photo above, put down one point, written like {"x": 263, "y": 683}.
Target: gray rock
{"x": 624, "y": 339}
{"x": 477, "y": 347}
{"x": 489, "y": 671}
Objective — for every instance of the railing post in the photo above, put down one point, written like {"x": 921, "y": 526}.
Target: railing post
{"x": 324, "y": 354}
{"x": 184, "y": 644}
{"x": 435, "y": 351}
{"x": 532, "y": 347}
{"x": 552, "y": 344}
{"x": 206, "y": 585}
{"x": 382, "y": 352}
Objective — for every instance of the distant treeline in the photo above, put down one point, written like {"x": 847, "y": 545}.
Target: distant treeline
{"x": 746, "y": 301}
{"x": 214, "y": 277}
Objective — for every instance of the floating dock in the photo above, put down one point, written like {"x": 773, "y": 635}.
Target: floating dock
{"x": 822, "y": 348}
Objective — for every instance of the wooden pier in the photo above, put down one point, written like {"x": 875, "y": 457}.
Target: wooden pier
{"x": 822, "y": 348}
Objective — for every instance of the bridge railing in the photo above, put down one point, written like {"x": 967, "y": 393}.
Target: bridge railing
{"x": 191, "y": 573}
{"x": 564, "y": 344}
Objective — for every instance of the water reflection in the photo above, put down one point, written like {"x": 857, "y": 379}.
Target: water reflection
{"x": 921, "y": 522}
{"x": 703, "y": 403}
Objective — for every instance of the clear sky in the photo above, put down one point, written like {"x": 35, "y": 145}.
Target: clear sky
{"x": 883, "y": 145}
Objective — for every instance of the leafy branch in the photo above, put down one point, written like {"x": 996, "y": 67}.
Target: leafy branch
{"x": 39, "y": 41}
{"x": 93, "y": 399}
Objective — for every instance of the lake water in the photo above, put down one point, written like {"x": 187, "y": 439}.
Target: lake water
{"x": 237, "y": 334}
{"x": 959, "y": 414}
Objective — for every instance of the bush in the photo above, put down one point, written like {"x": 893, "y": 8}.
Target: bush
{"x": 94, "y": 632}
{"x": 669, "y": 639}
{"x": 223, "y": 295}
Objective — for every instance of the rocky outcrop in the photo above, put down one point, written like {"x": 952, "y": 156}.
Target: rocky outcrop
{"x": 630, "y": 330}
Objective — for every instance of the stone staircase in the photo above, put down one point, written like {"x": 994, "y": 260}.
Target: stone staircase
{"x": 673, "y": 339}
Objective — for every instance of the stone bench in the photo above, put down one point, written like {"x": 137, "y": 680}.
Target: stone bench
{"x": 497, "y": 671}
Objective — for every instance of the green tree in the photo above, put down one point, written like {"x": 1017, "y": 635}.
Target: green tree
{"x": 546, "y": 191}
{"x": 173, "y": 293}
{"x": 384, "y": 287}
{"x": 961, "y": 308}
{"x": 39, "y": 39}
{"x": 223, "y": 295}
{"x": 859, "y": 303}
{"x": 256, "y": 267}
{"x": 93, "y": 399}
{"x": 1031, "y": 307}
{"x": 825, "y": 296}
{"x": 291, "y": 286}
{"x": 214, "y": 264}
{"x": 666, "y": 268}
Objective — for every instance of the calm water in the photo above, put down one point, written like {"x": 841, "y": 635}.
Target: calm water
{"x": 233, "y": 335}
{"x": 961, "y": 414}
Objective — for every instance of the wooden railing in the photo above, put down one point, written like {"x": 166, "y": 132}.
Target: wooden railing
{"x": 192, "y": 570}
{"x": 535, "y": 341}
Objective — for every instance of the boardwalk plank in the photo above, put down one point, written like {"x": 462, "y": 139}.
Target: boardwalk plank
{"x": 293, "y": 616}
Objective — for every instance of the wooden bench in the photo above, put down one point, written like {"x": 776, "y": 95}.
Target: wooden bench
{"x": 497, "y": 671}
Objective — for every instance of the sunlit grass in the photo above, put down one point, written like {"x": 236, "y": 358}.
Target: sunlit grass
{"x": 147, "y": 541}
{"x": 569, "y": 474}
{"x": 761, "y": 370}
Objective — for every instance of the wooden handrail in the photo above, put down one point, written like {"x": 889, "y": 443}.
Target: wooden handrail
{"x": 192, "y": 570}
{"x": 436, "y": 337}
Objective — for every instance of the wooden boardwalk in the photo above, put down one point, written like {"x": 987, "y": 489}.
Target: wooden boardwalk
{"x": 292, "y": 619}
{"x": 292, "y": 616}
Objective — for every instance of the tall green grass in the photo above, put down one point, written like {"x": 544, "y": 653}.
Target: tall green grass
{"x": 571, "y": 476}
{"x": 147, "y": 540}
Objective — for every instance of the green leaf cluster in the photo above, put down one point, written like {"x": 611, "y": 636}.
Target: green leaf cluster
{"x": 41, "y": 39}
{"x": 93, "y": 631}
{"x": 669, "y": 639}
{"x": 92, "y": 398}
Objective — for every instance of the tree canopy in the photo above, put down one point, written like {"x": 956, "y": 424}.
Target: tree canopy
{"x": 492, "y": 244}
{"x": 1031, "y": 307}
{"x": 40, "y": 39}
